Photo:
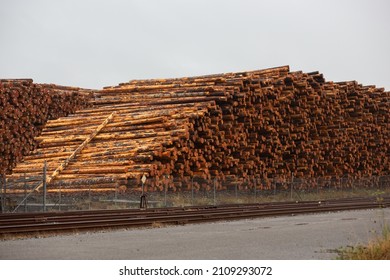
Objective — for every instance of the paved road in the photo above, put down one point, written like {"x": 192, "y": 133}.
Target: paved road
{"x": 293, "y": 237}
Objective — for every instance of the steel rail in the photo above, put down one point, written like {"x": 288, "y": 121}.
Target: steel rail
{"x": 5, "y": 216}
{"x": 62, "y": 221}
{"x": 85, "y": 216}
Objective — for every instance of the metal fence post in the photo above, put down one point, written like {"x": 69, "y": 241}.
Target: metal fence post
{"x": 236, "y": 190}
{"x": 5, "y": 192}
{"x": 215, "y": 179}
{"x": 89, "y": 197}
{"x": 317, "y": 187}
{"x": 116, "y": 196}
{"x": 2, "y": 201}
{"x": 273, "y": 181}
{"x": 292, "y": 186}
{"x": 254, "y": 186}
{"x": 25, "y": 192}
{"x": 192, "y": 191}
{"x": 59, "y": 199}
{"x": 165, "y": 194}
{"x": 44, "y": 186}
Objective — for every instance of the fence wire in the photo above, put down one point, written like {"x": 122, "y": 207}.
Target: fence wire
{"x": 17, "y": 195}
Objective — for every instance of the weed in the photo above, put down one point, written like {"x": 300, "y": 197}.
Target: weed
{"x": 157, "y": 225}
{"x": 378, "y": 249}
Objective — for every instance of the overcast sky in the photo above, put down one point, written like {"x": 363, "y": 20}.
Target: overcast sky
{"x": 98, "y": 43}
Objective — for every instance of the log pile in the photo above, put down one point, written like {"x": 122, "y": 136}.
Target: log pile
{"x": 25, "y": 108}
{"x": 65, "y": 100}
{"x": 263, "y": 124}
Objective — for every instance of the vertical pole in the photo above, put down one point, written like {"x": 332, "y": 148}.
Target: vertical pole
{"x": 166, "y": 189}
{"x": 292, "y": 185}
{"x": 273, "y": 180}
{"x": 25, "y": 192}
{"x": 192, "y": 191}
{"x": 89, "y": 197}
{"x": 5, "y": 193}
{"x": 2, "y": 195}
{"x": 116, "y": 194}
{"x": 340, "y": 184}
{"x": 165, "y": 193}
{"x": 254, "y": 186}
{"x": 59, "y": 199}
{"x": 317, "y": 188}
{"x": 44, "y": 186}
{"x": 215, "y": 179}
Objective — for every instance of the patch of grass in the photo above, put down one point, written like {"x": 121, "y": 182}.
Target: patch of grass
{"x": 378, "y": 249}
{"x": 157, "y": 225}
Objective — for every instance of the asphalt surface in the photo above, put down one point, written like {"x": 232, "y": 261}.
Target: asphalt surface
{"x": 314, "y": 236}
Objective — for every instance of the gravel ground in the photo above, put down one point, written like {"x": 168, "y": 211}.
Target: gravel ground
{"x": 313, "y": 236}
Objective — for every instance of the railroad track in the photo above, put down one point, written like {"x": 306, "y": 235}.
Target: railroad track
{"x": 21, "y": 223}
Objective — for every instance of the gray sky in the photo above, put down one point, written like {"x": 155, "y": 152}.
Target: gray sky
{"x": 92, "y": 44}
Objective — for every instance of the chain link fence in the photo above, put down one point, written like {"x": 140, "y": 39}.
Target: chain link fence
{"x": 18, "y": 195}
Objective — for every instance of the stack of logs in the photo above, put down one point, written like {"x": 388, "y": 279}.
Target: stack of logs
{"x": 264, "y": 124}
{"x": 25, "y": 108}
{"x": 65, "y": 100}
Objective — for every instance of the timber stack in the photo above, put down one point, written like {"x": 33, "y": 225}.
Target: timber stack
{"x": 25, "y": 108}
{"x": 264, "y": 124}
{"x": 65, "y": 100}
